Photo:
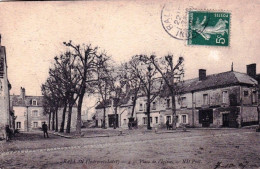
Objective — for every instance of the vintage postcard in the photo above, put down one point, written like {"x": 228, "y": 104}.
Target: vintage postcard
{"x": 130, "y": 84}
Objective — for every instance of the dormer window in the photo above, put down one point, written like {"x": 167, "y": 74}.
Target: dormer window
{"x": 34, "y": 102}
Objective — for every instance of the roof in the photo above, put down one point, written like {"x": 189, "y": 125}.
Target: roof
{"x": 218, "y": 80}
{"x": 18, "y": 101}
{"x": 108, "y": 102}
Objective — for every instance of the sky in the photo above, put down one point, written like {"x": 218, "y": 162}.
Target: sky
{"x": 33, "y": 34}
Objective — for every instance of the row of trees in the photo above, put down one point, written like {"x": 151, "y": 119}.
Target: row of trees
{"x": 83, "y": 69}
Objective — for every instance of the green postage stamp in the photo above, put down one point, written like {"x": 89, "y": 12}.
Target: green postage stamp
{"x": 208, "y": 28}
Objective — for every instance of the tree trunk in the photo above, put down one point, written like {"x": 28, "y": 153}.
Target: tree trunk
{"x": 78, "y": 125}
{"x": 63, "y": 118}
{"x": 49, "y": 121}
{"x": 133, "y": 108}
{"x": 115, "y": 120}
{"x": 69, "y": 119}
{"x": 56, "y": 113}
{"x": 53, "y": 120}
{"x": 104, "y": 118}
{"x": 148, "y": 112}
{"x": 173, "y": 111}
{"x": 258, "y": 111}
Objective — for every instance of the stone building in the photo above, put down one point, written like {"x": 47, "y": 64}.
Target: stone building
{"x": 6, "y": 116}
{"x": 123, "y": 113}
{"x": 30, "y": 115}
{"x": 227, "y": 99}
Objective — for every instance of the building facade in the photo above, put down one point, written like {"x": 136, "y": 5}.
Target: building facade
{"x": 5, "y": 111}
{"x": 227, "y": 99}
{"x": 29, "y": 112}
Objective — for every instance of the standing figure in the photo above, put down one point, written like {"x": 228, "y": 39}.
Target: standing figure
{"x": 8, "y": 132}
{"x": 167, "y": 124}
{"x": 45, "y": 129}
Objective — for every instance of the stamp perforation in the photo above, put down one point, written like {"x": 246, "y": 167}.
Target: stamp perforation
{"x": 211, "y": 10}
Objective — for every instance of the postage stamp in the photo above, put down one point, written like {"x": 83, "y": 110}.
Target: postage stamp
{"x": 208, "y": 28}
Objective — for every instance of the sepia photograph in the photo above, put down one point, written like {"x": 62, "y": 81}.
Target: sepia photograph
{"x": 116, "y": 84}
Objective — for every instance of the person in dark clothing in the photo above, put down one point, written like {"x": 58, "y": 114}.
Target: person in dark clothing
{"x": 45, "y": 129}
{"x": 8, "y": 132}
{"x": 167, "y": 124}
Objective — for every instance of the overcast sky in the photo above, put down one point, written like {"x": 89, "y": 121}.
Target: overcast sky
{"x": 33, "y": 33}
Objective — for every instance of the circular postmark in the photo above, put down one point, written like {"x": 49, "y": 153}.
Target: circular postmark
{"x": 175, "y": 22}
{"x": 178, "y": 23}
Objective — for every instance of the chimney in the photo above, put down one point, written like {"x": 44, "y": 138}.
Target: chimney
{"x": 22, "y": 94}
{"x": 202, "y": 74}
{"x": 251, "y": 70}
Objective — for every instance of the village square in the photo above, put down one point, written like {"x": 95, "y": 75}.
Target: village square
{"x": 124, "y": 96}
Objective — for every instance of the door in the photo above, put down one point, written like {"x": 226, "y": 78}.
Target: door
{"x": 111, "y": 120}
{"x": 225, "y": 120}
{"x": 206, "y": 117}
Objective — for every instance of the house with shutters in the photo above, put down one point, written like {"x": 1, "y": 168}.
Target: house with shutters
{"x": 227, "y": 99}
{"x": 6, "y": 115}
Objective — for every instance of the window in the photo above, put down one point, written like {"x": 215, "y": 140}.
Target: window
{"x": 183, "y": 102}
{"x": 184, "y": 119}
{"x": 18, "y": 125}
{"x": 225, "y": 96}
{"x": 156, "y": 120}
{"x": 169, "y": 118}
{"x": 205, "y": 99}
{"x": 154, "y": 106}
{"x": 141, "y": 107}
{"x": 245, "y": 93}
{"x": 144, "y": 120}
{"x": 35, "y": 113}
{"x": 168, "y": 103}
{"x": 34, "y": 102}
{"x": 151, "y": 120}
{"x": 254, "y": 97}
{"x": 35, "y": 124}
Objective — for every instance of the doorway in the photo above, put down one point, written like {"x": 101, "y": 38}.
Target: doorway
{"x": 111, "y": 120}
{"x": 225, "y": 120}
{"x": 206, "y": 117}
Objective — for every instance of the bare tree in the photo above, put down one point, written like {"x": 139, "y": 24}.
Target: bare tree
{"x": 170, "y": 73}
{"x": 86, "y": 59}
{"x": 133, "y": 84}
{"x": 66, "y": 77}
{"x": 118, "y": 87}
{"x": 150, "y": 83}
{"x": 51, "y": 102}
{"x": 103, "y": 84}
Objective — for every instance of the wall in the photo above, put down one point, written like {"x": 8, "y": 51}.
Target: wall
{"x": 20, "y": 113}
{"x": 4, "y": 96}
{"x": 249, "y": 114}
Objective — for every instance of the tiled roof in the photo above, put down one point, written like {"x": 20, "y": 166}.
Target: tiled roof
{"x": 16, "y": 100}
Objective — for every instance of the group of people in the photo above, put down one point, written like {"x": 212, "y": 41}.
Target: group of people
{"x": 10, "y": 133}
